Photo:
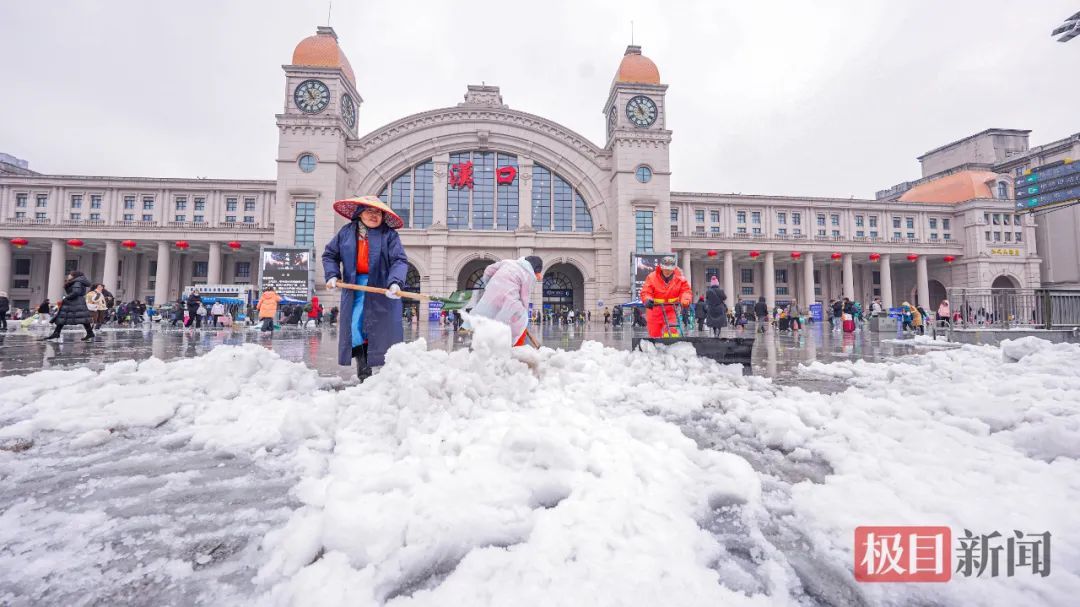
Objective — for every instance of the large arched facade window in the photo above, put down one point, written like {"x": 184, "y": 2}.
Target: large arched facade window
{"x": 410, "y": 195}
{"x": 487, "y": 205}
{"x": 556, "y": 206}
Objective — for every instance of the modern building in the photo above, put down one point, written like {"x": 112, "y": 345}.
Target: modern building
{"x": 479, "y": 181}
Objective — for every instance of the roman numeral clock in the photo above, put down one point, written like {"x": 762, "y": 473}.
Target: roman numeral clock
{"x": 641, "y": 111}
{"x": 312, "y": 96}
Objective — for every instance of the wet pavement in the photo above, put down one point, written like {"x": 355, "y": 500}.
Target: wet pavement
{"x": 776, "y": 355}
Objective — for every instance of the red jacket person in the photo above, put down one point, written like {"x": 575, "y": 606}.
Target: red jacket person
{"x": 663, "y": 289}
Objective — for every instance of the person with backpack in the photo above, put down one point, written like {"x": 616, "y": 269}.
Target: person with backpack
{"x": 761, "y": 311}
{"x": 268, "y": 307}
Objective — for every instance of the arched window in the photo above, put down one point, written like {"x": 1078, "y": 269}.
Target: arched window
{"x": 475, "y": 280}
{"x": 487, "y": 204}
{"x": 557, "y": 207}
{"x": 1003, "y": 190}
{"x": 410, "y": 195}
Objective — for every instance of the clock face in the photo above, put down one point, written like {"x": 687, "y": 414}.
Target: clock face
{"x": 613, "y": 117}
{"x": 312, "y": 96}
{"x": 348, "y": 110}
{"x": 641, "y": 111}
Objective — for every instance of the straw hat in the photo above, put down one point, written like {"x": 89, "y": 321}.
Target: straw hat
{"x": 349, "y": 207}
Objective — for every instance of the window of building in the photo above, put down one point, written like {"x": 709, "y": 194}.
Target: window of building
{"x": 95, "y": 201}
{"x": 20, "y": 200}
{"x": 76, "y": 201}
{"x": 740, "y": 230}
{"x": 911, "y": 234}
{"x": 797, "y": 231}
{"x": 249, "y": 219}
{"x": 933, "y": 236}
{"x": 643, "y": 230}
{"x": 796, "y": 219}
{"x": 933, "y": 223}
{"x": 699, "y": 216}
{"x": 748, "y": 290}
{"x": 76, "y": 216}
{"x": 147, "y": 217}
{"x": 873, "y": 234}
{"x": 821, "y": 219}
{"x": 997, "y": 236}
{"x": 834, "y": 219}
{"x": 643, "y": 174}
{"x": 129, "y": 202}
{"x": 945, "y": 224}
{"x": 1008, "y": 236}
{"x": 95, "y": 216}
{"x": 858, "y": 221}
{"x": 860, "y": 234}
{"x": 242, "y": 269}
{"x": 230, "y": 205}
{"x": 307, "y": 162}
{"x": 1018, "y": 237}
{"x": 42, "y": 201}
{"x": 756, "y": 230}
{"x": 147, "y": 203}
{"x": 896, "y": 235}
{"x": 988, "y": 236}
{"x": 1016, "y": 220}
{"x": 304, "y": 223}
{"x": 129, "y": 217}
{"x": 249, "y": 204}
{"x": 198, "y": 218}
{"x": 781, "y": 218}
{"x": 740, "y": 216}
{"x": 781, "y": 231}
{"x": 909, "y": 222}
{"x": 20, "y": 214}
{"x": 714, "y": 216}
{"x": 180, "y": 218}
{"x": 875, "y": 277}
{"x": 70, "y": 265}
{"x": 1002, "y": 190}
{"x": 780, "y": 275}
{"x": 411, "y": 195}
{"x": 200, "y": 204}
{"x": 181, "y": 203}
{"x": 836, "y": 233}
{"x": 873, "y": 221}
{"x": 747, "y": 275}
{"x": 674, "y": 216}
{"x": 230, "y": 219}
{"x": 781, "y": 290}
{"x": 715, "y": 230}
{"x": 199, "y": 269}
{"x": 896, "y": 223}
{"x": 946, "y": 236}
{"x": 997, "y": 219}
{"x": 699, "y": 229}
{"x": 551, "y": 193}
{"x": 40, "y": 216}
{"x": 755, "y": 217}
{"x": 821, "y": 233}
{"x": 1007, "y": 219}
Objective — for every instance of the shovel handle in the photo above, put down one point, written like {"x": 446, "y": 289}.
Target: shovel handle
{"x": 367, "y": 289}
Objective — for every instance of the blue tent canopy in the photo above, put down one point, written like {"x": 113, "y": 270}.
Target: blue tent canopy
{"x": 210, "y": 299}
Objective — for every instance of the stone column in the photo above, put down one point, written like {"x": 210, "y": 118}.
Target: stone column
{"x": 922, "y": 283}
{"x": 769, "y": 283}
{"x": 161, "y": 281}
{"x": 141, "y": 267}
{"x": 808, "y": 280}
{"x": 886, "y": 281}
{"x": 5, "y": 266}
{"x": 729, "y": 278}
{"x": 684, "y": 265}
{"x": 525, "y": 170}
{"x": 849, "y": 277}
{"x": 110, "y": 275}
{"x": 438, "y": 191}
{"x": 213, "y": 264}
{"x": 55, "y": 287}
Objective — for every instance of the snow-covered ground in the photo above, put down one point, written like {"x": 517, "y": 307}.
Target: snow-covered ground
{"x": 499, "y": 477}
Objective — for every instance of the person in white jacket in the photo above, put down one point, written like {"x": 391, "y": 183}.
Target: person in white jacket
{"x": 507, "y": 285}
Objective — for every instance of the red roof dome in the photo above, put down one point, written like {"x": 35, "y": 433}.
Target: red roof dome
{"x": 322, "y": 50}
{"x": 637, "y": 68}
{"x": 953, "y": 189}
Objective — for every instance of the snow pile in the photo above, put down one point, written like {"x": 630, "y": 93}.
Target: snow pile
{"x": 463, "y": 479}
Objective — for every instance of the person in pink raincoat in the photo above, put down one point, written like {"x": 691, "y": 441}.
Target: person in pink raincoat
{"x": 507, "y": 285}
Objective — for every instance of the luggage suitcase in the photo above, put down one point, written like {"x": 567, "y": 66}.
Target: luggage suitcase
{"x": 849, "y": 325}
{"x": 785, "y": 324}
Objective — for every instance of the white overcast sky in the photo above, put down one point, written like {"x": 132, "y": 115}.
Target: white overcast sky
{"x": 793, "y": 98}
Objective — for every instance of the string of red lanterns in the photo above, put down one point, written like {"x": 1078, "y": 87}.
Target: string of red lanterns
{"x": 19, "y": 242}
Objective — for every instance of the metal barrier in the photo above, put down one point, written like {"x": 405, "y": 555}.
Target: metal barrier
{"x": 1009, "y": 308}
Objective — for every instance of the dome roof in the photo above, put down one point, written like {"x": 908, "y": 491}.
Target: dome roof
{"x": 637, "y": 68}
{"x": 322, "y": 50}
{"x": 953, "y": 189}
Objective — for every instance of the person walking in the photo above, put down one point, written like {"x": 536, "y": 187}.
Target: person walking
{"x": 794, "y": 315}
{"x": 194, "y": 300}
{"x": 95, "y": 302}
{"x": 268, "y": 307}
{"x": 944, "y": 313}
{"x": 761, "y": 311}
{"x": 367, "y": 251}
{"x": 716, "y": 306}
{"x": 73, "y": 310}
{"x": 5, "y": 305}
{"x": 700, "y": 313}
{"x": 216, "y": 312}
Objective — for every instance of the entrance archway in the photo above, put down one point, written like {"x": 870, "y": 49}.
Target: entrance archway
{"x": 937, "y": 293}
{"x": 564, "y": 288}
{"x": 471, "y": 277}
{"x": 1004, "y": 282}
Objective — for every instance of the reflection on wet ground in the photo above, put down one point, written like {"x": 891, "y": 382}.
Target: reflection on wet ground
{"x": 776, "y": 355}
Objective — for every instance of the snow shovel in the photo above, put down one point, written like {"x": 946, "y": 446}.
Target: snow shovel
{"x": 456, "y": 301}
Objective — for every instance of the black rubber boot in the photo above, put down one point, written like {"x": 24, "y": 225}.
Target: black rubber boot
{"x": 363, "y": 371}
{"x": 89, "y": 332}
{"x": 55, "y": 334}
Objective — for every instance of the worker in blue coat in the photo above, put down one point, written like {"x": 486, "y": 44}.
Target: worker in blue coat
{"x": 367, "y": 251}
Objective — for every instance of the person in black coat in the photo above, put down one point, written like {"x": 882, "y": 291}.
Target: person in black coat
{"x": 700, "y": 312}
{"x": 73, "y": 310}
{"x": 5, "y": 305}
{"x": 716, "y": 302}
{"x": 193, "y": 302}
{"x": 761, "y": 311}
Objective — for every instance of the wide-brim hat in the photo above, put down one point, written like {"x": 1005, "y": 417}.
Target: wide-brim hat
{"x": 348, "y": 208}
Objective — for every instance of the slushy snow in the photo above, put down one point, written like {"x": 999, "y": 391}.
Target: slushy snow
{"x": 502, "y": 476}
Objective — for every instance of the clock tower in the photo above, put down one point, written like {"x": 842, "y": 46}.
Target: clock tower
{"x": 320, "y": 116}
{"x": 639, "y": 142}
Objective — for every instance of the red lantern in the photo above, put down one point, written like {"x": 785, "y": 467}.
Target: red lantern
{"x": 949, "y": 259}
{"x": 75, "y": 243}
{"x": 128, "y": 244}
{"x": 912, "y": 257}
{"x": 796, "y": 255}
{"x": 711, "y": 253}
{"x": 234, "y": 245}
{"x": 755, "y": 254}
{"x": 19, "y": 243}
{"x": 837, "y": 256}
{"x": 875, "y": 257}
{"x": 182, "y": 245}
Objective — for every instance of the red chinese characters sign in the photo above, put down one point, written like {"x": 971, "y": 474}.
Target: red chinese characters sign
{"x": 505, "y": 175}
{"x": 461, "y": 175}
